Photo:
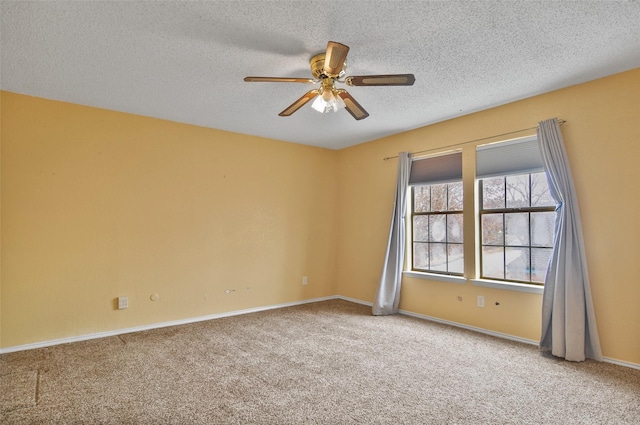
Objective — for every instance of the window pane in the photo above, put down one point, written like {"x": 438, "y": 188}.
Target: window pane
{"x": 421, "y": 199}
{"x": 421, "y": 256}
{"x": 540, "y": 194}
{"x": 493, "y": 262}
{"x": 421, "y": 228}
{"x": 517, "y": 263}
{"x": 539, "y": 263}
{"x": 518, "y": 191}
{"x": 456, "y": 258}
{"x": 493, "y": 193}
{"x": 517, "y": 229}
{"x": 492, "y": 229}
{"x": 437, "y": 228}
{"x": 439, "y": 197}
{"x": 455, "y": 196}
{"x": 542, "y": 226}
{"x": 438, "y": 256}
{"x": 454, "y": 228}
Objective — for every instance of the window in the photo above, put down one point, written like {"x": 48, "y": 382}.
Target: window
{"x": 514, "y": 217}
{"x": 516, "y": 227}
{"x": 437, "y": 228}
{"x": 516, "y": 212}
{"x": 436, "y": 214}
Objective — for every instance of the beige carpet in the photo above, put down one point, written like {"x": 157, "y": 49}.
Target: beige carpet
{"x": 323, "y": 363}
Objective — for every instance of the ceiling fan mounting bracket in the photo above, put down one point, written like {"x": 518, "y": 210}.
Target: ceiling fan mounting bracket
{"x": 317, "y": 67}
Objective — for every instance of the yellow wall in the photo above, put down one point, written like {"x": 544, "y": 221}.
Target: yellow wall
{"x": 602, "y": 137}
{"x": 100, "y": 204}
{"x": 0, "y": 219}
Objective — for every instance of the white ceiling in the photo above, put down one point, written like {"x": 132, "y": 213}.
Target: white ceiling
{"x": 185, "y": 61}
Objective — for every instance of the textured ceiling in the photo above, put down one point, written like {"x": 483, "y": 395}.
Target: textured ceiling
{"x": 185, "y": 61}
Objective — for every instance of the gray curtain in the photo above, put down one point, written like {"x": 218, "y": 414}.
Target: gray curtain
{"x": 568, "y": 318}
{"x": 388, "y": 296}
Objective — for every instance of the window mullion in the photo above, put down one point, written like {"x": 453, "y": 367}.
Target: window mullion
{"x": 504, "y": 244}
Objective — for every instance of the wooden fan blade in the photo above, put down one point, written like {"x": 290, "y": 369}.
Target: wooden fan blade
{"x": 352, "y": 106}
{"x": 299, "y": 103}
{"x": 277, "y": 80}
{"x": 381, "y": 80}
{"x": 334, "y": 58}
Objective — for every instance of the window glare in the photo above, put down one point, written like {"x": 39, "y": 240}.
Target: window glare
{"x": 542, "y": 228}
{"x": 421, "y": 228}
{"x": 517, "y": 229}
{"x": 454, "y": 228}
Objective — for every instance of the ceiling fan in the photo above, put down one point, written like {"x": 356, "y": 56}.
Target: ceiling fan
{"x": 328, "y": 68}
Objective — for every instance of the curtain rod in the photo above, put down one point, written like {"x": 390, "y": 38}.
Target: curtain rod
{"x": 471, "y": 141}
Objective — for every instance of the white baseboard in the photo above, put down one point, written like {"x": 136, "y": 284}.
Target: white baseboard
{"x": 353, "y": 300}
{"x": 470, "y": 328}
{"x": 155, "y": 326}
{"x": 621, "y": 363}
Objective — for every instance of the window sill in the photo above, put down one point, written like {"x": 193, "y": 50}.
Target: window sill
{"x": 509, "y": 286}
{"x": 434, "y": 276}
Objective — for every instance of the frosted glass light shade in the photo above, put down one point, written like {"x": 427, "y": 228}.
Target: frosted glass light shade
{"x": 327, "y": 101}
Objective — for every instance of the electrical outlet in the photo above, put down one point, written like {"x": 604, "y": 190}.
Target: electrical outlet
{"x": 304, "y": 280}
{"x": 480, "y": 300}
{"x": 123, "y": 302}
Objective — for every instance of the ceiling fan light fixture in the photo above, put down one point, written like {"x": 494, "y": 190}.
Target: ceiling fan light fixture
{"x": 328, "y": 101}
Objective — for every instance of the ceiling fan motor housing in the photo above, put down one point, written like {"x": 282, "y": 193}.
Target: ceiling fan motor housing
{"x": 317, "y": 67}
